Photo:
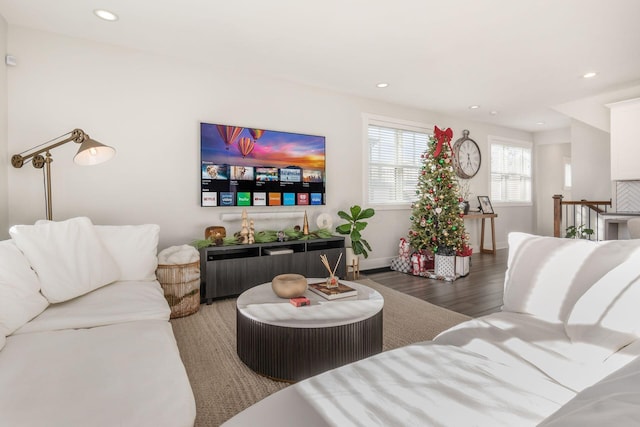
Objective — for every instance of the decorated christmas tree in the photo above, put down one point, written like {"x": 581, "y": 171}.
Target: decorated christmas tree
{"x": 436, "y": 221}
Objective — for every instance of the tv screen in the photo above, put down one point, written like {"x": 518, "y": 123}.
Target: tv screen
{"x": 258, "y": 167}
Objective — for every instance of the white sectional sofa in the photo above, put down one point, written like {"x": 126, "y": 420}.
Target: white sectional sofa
{"x": 562, "y": 352}
{"x": 85, "y": 338}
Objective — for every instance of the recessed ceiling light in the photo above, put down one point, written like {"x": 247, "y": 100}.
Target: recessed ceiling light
{"x": 493, "y": 112}
{"x": 540, "y": 123}
{"x": 381, "y": 85}
{"x": 106, "y": 15}
{"x": 589, "y": 75}
{"x": 474, "y": 107}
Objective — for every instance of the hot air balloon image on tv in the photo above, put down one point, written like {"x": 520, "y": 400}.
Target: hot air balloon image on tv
{"x": 245, "y": 145}
{"x": 256, "y": 133}
{"x": 229, "y": 134}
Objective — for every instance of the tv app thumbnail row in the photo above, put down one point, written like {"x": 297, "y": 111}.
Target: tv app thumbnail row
{"x": 259, "y": 174}
{"x": 247, "y": 198}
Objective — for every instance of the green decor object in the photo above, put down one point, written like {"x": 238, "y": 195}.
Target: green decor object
{"x": 354, "y": 226}
{"x": 437, "y": 224}
{"x": 579, "y": 232}
{"x": 202, "y": 243}
{"x": 265, "y": 236}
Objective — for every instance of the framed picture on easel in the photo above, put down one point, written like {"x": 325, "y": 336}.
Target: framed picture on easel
{"x": 485, "y": 205}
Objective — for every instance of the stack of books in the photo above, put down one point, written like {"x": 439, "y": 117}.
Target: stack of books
{"x": 341, "y": 291}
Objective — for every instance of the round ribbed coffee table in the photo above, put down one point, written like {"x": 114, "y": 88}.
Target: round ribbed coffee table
{"x": 289, "y": 343}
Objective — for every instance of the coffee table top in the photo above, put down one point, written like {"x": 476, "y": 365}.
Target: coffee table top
{"x": 261, "y": 304}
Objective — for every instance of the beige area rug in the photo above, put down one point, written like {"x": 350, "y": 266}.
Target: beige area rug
{"x": 223, "y": 385}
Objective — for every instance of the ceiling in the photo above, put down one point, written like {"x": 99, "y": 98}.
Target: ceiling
{"x": 517, "y": 59}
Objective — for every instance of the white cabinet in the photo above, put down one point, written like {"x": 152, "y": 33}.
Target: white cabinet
{"x": 625, "y": 140}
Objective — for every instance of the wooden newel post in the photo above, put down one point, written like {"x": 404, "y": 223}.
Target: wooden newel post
{"x": 557, "y": 214}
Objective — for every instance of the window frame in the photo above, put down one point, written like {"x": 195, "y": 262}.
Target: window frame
{"x": 512, "y": 143}
{"x": 394, "y": 123}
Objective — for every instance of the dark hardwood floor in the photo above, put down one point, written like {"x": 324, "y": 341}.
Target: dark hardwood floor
{"x": 477, "y": 294}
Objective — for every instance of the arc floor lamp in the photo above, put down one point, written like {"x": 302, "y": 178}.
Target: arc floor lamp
{"x": 91, "y": 152}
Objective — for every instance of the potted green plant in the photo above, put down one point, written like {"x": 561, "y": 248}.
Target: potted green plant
{"x": 579, "y": 232}
{"x": 353, "y": 228}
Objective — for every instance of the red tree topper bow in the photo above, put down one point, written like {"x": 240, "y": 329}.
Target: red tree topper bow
{"x": 441, "y": 137}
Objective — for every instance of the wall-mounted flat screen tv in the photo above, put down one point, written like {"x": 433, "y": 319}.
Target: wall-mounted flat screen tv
{"x": 241, "y": 166}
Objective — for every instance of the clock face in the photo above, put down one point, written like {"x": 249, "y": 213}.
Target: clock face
{"x": 467, "y": 158}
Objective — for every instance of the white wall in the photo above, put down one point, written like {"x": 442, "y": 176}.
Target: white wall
{"x": 551, "y": 147}
{"x": 549, "y": 181}
{"x": 591, "y": 165}
{"x": 149, "y": 108}
{"x": 4, "y": 158}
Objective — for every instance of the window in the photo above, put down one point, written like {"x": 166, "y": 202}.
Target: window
{"x": 394, "y": 149}
{"x": 566, "y": 161}
{"x": 510, "y": 171}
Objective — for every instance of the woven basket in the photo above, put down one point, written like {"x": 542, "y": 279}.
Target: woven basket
{"x": 181, "y": 285}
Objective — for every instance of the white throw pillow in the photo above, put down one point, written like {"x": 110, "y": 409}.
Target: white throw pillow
{"x": 20, "y": 298}
{"x": 608, "y": 314}
{"x": 547, "y": 275}
{"x": 68, "y": 257}
{"x": 133, "y": 247}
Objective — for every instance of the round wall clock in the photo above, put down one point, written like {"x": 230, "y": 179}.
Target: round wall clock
{"x": 467, "y": 157}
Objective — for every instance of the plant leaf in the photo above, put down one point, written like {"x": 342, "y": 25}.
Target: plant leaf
{"x": 357, "y": 247}
{"x": 344, "y": 229}
{"x": 360, "y": 225}
{"x": 367, "y": 213}
{"x": 345, "y": 216}
{"x": 355, "y": 212}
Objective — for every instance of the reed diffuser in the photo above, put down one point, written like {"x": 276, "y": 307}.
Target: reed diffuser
{"x": 332, "y": 280}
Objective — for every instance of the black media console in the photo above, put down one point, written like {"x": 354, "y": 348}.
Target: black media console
{"x": 230, "y": 270}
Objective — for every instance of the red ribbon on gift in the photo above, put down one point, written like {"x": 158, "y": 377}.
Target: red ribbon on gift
{"x": 441, "y": 137}
{"x": 465, "y": 251}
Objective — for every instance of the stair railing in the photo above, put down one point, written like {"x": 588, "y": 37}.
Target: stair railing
{"x": 582, "y": 214}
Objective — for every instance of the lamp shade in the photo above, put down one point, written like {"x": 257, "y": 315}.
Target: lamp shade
{"x": 92, "y": 152}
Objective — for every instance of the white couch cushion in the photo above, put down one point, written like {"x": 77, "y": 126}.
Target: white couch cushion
{"x": 20, "y": 298}
{"x": 608, "y": 313}
{"x": 527, "y": 341}
{"x": 614, "y": 401}
{"x": 68, "y": 257}
{"x": 546, "y": 275}
{"x": 423, "y": 384}
{"x": 3, "y": 341}
{"x": 128, "y": 374}
{"x": 133, "y": 247}
{"x": 118, "y": 302}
